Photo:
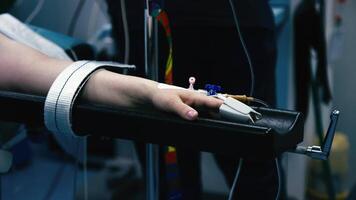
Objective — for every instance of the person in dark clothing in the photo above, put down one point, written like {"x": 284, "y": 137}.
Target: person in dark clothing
{"x": 309, "y": 35}
{"x": 206, "y": 45}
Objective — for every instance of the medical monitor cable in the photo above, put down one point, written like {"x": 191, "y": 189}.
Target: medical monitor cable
{"x": 244, "y": 48}
{"x": 35, "y": 11}
{"x": 259, "y": 101}
{"x": 231, "y": 193}
{"x": 232, "y": 190}
{"x": 103, "y": 8}
{"x": 279, "y": 179}
{"x": 75, "y": 17}
{"x": 85, "y": 168}
{"x": 256, "y": 100}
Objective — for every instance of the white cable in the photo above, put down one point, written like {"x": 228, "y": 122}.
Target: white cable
{"x": 279, "y": 179}
{"x": 85, "y": 168}
{"x": 75, "y": 17}
{"x": 93, "y": 19}
{"x": 35, "y": 11}
{"x": 251, "y": 94}
{"x": 244, "y": 48}
{"x": 76, "y": 166}
{"x": 103, "y": 8}
{"x": 231, "y": 194}
{"x": 232, "y": 189}
{"x": 75, "y": 57}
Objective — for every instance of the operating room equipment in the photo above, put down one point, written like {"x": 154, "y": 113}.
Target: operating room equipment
{"x": 233, "y": 109}
{"x": 278, "y": 131}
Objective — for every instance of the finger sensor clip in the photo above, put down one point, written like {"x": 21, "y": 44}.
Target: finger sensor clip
{"x": 237, "y": 111}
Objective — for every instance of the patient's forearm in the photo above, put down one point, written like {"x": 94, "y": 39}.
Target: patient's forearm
{"x": 23, "y": 69}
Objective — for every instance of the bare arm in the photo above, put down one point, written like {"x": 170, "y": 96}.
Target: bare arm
{"x": 25, "y": 70}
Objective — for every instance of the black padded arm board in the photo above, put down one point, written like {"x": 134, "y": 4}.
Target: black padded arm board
{"x": 277, "y": 132}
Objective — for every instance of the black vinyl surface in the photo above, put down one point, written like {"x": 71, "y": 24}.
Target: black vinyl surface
{"x": 276, "y": 132}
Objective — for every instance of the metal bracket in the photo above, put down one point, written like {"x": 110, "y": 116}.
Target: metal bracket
{"x": 321, "y": 152}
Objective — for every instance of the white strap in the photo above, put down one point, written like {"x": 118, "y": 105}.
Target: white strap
{"x": 64, "y": 91}
{"x": 55, "y": 91}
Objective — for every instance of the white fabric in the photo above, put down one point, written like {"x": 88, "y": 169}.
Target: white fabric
{"x": 20, "y": 32}
{"x": 64, "y": 91}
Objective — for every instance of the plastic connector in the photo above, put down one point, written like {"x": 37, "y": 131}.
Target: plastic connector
{"x": 242, "y": 98}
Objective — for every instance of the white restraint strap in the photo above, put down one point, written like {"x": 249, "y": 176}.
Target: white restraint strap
{"x": 64, "y": 91}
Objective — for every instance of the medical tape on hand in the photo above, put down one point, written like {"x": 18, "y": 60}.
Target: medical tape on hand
{"x": 64, "y": 91}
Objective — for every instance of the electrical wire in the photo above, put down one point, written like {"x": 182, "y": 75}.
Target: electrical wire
{"x": 252, "y": 88}
{"x": 93, "y": 18}
{"x": 244, "y": 48}
{"x": 279, "y": 179}
{"x": 35, "y": 11}
{"x": 75, "y": 57}
{"x": 0, "y": 188}
{"x": 76, "y": 166}
{"x": 55, "y": 181}
{"x": 254, "y": 100}
{"x": 259, "y": 101}
{"x": 103, "y": 8}
{"x": 75, "y": 17}
{"x": 85, "y": 168}
{"x": 232, "y": 190}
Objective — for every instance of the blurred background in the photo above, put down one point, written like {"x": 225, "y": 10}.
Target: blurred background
{"x": 41, "y": 170}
